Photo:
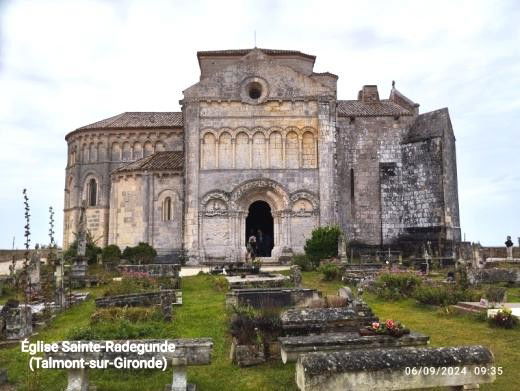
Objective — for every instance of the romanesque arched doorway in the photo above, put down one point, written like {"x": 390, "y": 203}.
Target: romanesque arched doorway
{"x": 259, "y": 222}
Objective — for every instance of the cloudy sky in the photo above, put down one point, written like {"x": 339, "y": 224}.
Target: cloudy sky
{"x": 64, "y": 64}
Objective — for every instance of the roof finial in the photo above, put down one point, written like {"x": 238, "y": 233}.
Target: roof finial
{"x": 393, "y": 83}
{"x": 255, "y": 39}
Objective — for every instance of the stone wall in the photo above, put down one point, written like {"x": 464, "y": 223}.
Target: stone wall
{"x": 136, "y": 215}
{"x": 94, "y": 154}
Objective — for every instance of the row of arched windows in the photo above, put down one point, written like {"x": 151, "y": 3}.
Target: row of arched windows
{"x": 259, "y": 151}
{"x": 91, "y": 153}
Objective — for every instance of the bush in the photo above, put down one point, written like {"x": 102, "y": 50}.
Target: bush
{"x": 91, "y": 250}
{"x": 443, "y": 295}
{"x": 396, "y": 286}
{"x": 132, "y": 283}
{"x": 504, "y": 318}
{"x": 323, "y": 243}
{"x": 141, "y": 254}
{"x": 305, "y": 262}
{"x": 330, "y": 272}
{"x": 111, "y": 253}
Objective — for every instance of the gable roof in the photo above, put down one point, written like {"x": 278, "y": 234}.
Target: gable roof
{"x": 357, "y": 108}
{"x": 429, "y": 125}
{"x": 139, "y": 120}
{"x": 159, "y": 161}
{"x": 243, "y": 52}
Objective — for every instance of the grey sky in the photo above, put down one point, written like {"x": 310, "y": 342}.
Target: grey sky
{"x": 65, "y": 64}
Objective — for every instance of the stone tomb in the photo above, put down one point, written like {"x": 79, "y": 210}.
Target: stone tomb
{"x": 389, "y": 369}
{"x": 17, "y": 322}
{"x": 495, "y": 275}
{"x": 301, "y": 321}
{"x": 261, "y": 280}
{"x": 292, "y": 347}
{"x": 139, "y": 299}
{"x": 270, "y": 297}
{"x": 187, "y": 352}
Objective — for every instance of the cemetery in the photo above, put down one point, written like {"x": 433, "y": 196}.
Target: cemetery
{"x": 326, "y": 322}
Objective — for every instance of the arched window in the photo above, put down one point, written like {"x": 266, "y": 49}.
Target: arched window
{"x": 127, "y": 152}
{"x": 148, "y": 149}
{"x": 225, "y": 151}
{"x": 92, "y": 192}
{"x": 259, "y": 150}
{"x": 276, "y": 150}
{"x": 291, "y": 150}
{"x": 167, "y": 209}
{"x": 208, "y": 151}
{"x": 242, "y": 151}
{"x": 116, "y": 152}
{"x": 138, "y": 151}
{"x": 309, "y": 150}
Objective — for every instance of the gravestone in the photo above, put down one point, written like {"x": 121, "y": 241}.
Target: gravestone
{"x": 18, "y": 322}
{"x": 346, "y": 293}
{"x": 296, "y": 275}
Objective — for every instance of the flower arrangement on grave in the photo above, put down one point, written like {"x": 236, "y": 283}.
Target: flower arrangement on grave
{"x": 504, "y": 318}
{"x": 390, "y": 327}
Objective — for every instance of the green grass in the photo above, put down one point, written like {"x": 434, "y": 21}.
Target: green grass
{"x": 203, "y": 315}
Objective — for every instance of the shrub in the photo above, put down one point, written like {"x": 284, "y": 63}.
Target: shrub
{"x": 396, "y": 286}
{"x": 305, "y": 262}
{"x": 323, "y": 243}
{"x": 330, "y": 272}
{"x": 143, "y": 253}
{"x": 496, "y": 294}
{"x": 443, "y": 295}
{"x": 91, "y": 250}
{"x": 504, "y": 318}
{"x": 111, "y": 253}
{"x": 132, "y": 283}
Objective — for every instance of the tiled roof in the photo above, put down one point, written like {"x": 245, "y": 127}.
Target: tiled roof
{"x": 243, "y": 52}
{"x": 139, "y": 120}
{"x": 159, "y": 161}
{"x": 429, "y": 125}
{"x": 356, "y": 108}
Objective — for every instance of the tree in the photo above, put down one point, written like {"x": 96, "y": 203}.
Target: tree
{"x": 143, "y": 253}
{"x": 323, "y": 242}
{"x": 111, "y": 253}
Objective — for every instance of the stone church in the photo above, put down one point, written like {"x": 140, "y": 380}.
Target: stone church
{"x": 264, "y": 143}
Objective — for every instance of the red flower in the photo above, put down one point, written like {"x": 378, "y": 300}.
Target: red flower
{"x": 390, "y": 324}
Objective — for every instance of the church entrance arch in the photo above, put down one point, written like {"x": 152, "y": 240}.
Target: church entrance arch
{"x": 259, "y": 222}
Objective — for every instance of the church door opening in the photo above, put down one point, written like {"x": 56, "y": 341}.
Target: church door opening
{"x": 259, "y": 222}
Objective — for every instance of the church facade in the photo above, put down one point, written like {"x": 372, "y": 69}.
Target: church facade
{"x": 264, "y": 144}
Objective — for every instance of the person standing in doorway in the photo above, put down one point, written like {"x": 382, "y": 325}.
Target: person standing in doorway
{"x": 251, "y": 247}
{"x": 509, "y": 248}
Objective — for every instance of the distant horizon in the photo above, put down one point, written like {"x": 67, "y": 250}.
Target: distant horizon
{"x": 59, "y": 71}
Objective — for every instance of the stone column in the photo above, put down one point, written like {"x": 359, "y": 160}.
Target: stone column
{"x": 326, "y": 164}
{"x": 180, "y": 378}
{"x": 191, "y": 178}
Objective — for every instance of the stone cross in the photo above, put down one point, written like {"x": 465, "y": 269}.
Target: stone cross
{"x": 58, "y": 278}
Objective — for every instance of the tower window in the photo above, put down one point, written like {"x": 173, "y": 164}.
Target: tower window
{"x": 167, "y": 209}
{"x": 92, "y": 192}
{"x": 254, "y": 90}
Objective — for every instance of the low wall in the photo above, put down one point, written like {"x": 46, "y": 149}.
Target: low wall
{"x": 153, "y": 269}
{"x": 138, "y": 299}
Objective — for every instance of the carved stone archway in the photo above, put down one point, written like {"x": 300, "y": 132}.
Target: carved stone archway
{"x": 276, "y": 196}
